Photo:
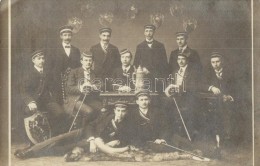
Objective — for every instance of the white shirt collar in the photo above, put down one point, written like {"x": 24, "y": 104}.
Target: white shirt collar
{"x": 64, "y": 44}
{"x": 144, "y": 111}
{"x": 183, "y": 68}
{"x": 86, "y": 70}
{"x": 103, "y": 45}
{"x": 126, "y": 68}
{"x": 149, "y": 40}
{"x": 219, "y": 71}
{"x": 38, "y": 69}
{"x": 183, "y": 48}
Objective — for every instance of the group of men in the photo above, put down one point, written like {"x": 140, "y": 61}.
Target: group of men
{"x": 73, "y": 81}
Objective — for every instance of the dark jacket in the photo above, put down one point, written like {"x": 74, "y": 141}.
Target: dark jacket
{"x": 102, "y": 127}
{"x": 119, "y": 77}
{"x": 61, "y": 62}
{"x": 36, "y": 87}
{"x": 226, "y": 84}
{"x": 193, "y": 59}
{"x": 154, "y": 59}
{"x": 155, "y": 127}
{"x": 104, "y": 64}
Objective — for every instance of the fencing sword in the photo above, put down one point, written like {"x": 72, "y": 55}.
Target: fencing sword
{"x": 186, "y": 130}
{"x": 195, "y": 156}
{"x": 77, "y": 112}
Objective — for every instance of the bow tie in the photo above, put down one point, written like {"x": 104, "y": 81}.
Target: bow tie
{"x": 67, "y": 46}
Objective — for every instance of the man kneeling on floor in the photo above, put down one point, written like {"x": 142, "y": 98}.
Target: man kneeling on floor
{"x": 109, "y": 133}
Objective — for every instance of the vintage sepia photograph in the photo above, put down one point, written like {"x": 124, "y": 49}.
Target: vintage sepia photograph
{"x": 130, "y": 82}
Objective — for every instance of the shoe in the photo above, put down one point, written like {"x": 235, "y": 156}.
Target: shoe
{"x": 23, "y": 154}
{"x": 74, "y": 155}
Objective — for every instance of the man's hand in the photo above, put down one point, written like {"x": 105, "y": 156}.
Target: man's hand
{"x": 92, "y": 147}
{"x": 32, "y": 106}
{"x": 132, "y": 148}
{"x": 124, "y": 89}
{"x": 171, "y": 88}
{"x": 160, "y": 141}
{"x": 85, "y": 88}
{"x": 215, "y": 90}
{"x": 227, "y": 98}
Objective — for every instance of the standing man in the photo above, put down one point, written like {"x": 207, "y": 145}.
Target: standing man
{"x": 192, "y": 55}
{"x": 151, "y": 54}
{"x": 66, "y": 57}
{"x": 106, "y": 55}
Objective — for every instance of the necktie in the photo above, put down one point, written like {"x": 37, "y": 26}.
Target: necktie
{"x": 181, "y": 71}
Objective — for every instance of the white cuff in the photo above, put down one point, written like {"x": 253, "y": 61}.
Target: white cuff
{"x": 90, "y": 139}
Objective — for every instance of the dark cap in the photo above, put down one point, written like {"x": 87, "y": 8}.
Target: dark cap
{"x": 182, "y": 54}
{"x": 123, "y": 51}
{"x": 66, "y": 28}
{"x": 185, "y": 34}
{"x": 101, "y": 30}
{"x": 121, "y": 103}
{"x": 37, "y": 53}
{"x": 150, "y": 26}
{"x": 87, "y": 54}
{"x": 216, "y": 54}
{"x": 142, "y": 93}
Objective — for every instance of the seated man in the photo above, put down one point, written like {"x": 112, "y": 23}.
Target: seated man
{"x": 219, "y": 81}
{"x": 109, "y": 133}
{"x": 183, "y": 90}
{"x": 83, "y": 91}
{"x": 36, "y": 92}
{"x": 148, "y": 123}
{"x": 122, "y": 76}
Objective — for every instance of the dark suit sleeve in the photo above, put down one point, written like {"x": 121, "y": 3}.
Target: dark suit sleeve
{"x": 137, "y": 57}
{"x": 117, "y": 59}
{"x": 72, "y": 83}
{"x": 197, "y": 61}
{"x": 163, "y": 66}
{"x": 24, "y": 90}
{"x": 172, "y": 62}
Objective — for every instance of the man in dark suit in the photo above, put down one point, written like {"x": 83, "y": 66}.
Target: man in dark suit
{"x": 66, "y": 57}
{"x": 81, "y": 85}
{"x": 110, "y": 133}
{"x": 183, "y": 88}
{"x": 219, "y": 80}
{"x": 151, "y": 55}
{"x": 192, "y": 55}
{"x": 106, "y": 55}
{"x": 122, "y": 76}
{"x": 148, "y": 123}
{"x": 36, "y": 92}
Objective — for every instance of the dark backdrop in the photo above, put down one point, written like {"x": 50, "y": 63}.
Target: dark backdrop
{"x": 223, "y": 25}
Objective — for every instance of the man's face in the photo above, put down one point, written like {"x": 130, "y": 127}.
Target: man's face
{"x": 126, "y": 59}
{"x": 66, "y": 37}
{"x": 86, "y": 62}
{"x": 182, "y": 61}
{"x": 143, "y": 102}
{"x": 105, "y": 37}
{"x": 120, "y": 113}
{"x": 148, "y": 33}
{"x": 216, "y": 63}
{"x": 181, "y": 41}
{"x": 39, "y": 61}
